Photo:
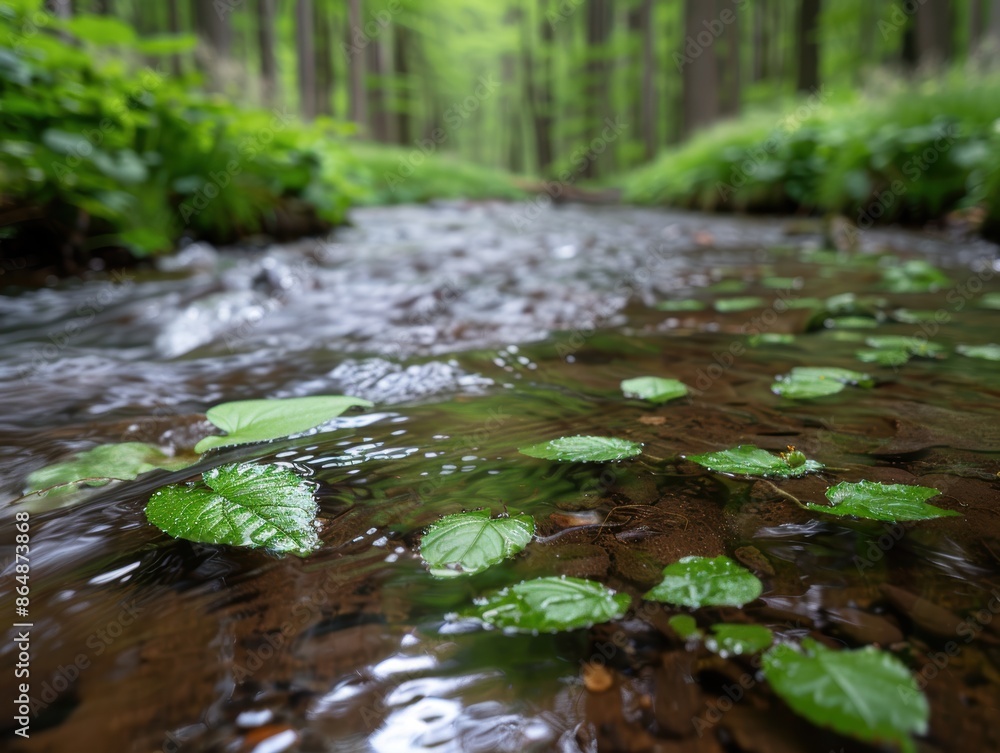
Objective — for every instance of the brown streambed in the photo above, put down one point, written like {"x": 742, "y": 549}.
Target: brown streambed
{"x": 473, "y": 340}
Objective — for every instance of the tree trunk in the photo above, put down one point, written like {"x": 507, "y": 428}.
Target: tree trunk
{"x": 306, "y": 58}
{"x": 265, "y": 41}
{"x": 975, "y": 24}
{"x": 933, "y": 32}
{"x": 808, "y": 38}
{"x": 377, "y": 111}
{"x": 540, "y": 95}
{"x": 61, "y": 8}
{"x": 324, "y": 61}
{"x": 212, "y": 25}
{"x": 731, "y": 83}
{"x": 700, "y": 98}
{"x": 597, "y": 90}
{"x": 760, "y": 38}
{"x": 401, "y": 71}
{"x": 174, "y": 24}
{"x": 993, "y": 30}
{"x": 356, "y": 68}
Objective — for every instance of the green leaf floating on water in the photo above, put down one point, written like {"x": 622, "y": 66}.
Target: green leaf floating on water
{"x": 877, "y": 501}
{"x": 807, "y": 382}
{"x": 703, "y": 582}
{"x": 550, "y": 605}
{"x": 248, "y": 421}
{"x": 917, "y": 346}
{"x": 688, "y": 304}
{"x": 914, "y": 276}
{"x": 731, "y": 639}
{"x": 685, "y": 626}
{"x": 470, "y": 542}
{"x": 883, "y": 357}
{"x": 852, "y": 322}
{"x": 243, "y": 504}
{"x": 654, "y": 389}
{"x": 733, "y": 305}
{"x": 990, "y": 301}
{"x": 866, "y": 693}
{"x": 106, "y": 462}
{"x": 748, "y": 460}
{"x": 583, "y": 449}
{"x": 989, "y": 352}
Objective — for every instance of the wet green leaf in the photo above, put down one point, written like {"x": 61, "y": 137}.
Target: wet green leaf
{"x": 702, "y": 582}
{"x": 877, "y": 501}
{"x": 685, "y": 626}
{"x": 804, "y": 303}
{"x": 917, "y": 346}
{"x": 469, "y": 542}
{"x": 771, "y": 338}
{"x": 748, "y": 460}
{"x": 550, "y": 605}
{"x": 883, "y": 357}
{"x": 248, "y": 421}
{"x": 105, "y": 462}
{"x": 733, "y": 305}
{"x": 807, "y": 382}
{"x": 241, "y": 505}
{"x": 730, "y": 639}
{"x": 728, "y": 286}
{"x": 782, "y": 283}
{"x": 990, "y": 301}
{"x": 689, "y": 304}
{"x": 654, "y": 389}
{"x": 909, "y": 316}
{"x": 865, "y": 693}
{"x": 583, "y": 449}
{"x": 989, "y": 352}
{"x": 914, "y": 276}
{"x": 852, "y": 322}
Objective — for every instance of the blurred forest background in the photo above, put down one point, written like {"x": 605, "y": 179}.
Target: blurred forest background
{"x": 140, "y": 123}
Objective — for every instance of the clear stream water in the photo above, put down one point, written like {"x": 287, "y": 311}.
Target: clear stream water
{"x": 473, "y": 339}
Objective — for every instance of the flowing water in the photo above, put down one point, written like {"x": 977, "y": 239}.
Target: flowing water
{"x": 476, "y": 330}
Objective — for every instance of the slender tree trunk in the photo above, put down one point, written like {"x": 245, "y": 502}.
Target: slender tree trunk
{"x": 975, "y": 24}
{"x": 648, "y": 112}
{"x": 760, "y": 40}
{"x": 701, "y": 76}
{"x": 731, "y": 83}
{"x": 174, "y": 25}
{"x": 377, "y": 111}
{"x": 401, "y": 69}
{"x": 306, "y": 58}
{"x": 933, "y": 32}
{"x": 356, "y": 68}
{"x": 324, "y": 61}
{"x": 808, "y": 40}
{"x": 993, "y": 29}
{"x": 212, "y": 25}
{"x": 541, "y": 98}
{"x": 265, "y": 41}
{"x": 597, "y": 91}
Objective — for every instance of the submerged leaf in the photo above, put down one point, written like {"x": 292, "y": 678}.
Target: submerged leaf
{"x": 989, "y": 352}
{"x": 877, "y": 501}
{"x": 733, "y": 305}
{"x": 470, "y": 542}
{"x": 702, "y": 582}
{"x": 689, "y": 304}
{"x": 242, "y": 505}
{"x": 865, "y": 693}
{"x": 550, "y": 605}
{"x": 914, "y": 276}
{"x": 583, "y": 449}
{"x": 248, "y": 421}
{"x": 654, "y": 389}
{"x": 748, "y": 460}
{"x": 685, "y": 626}
{"x": 731, "y": 639}
{"x": 807, "y": 382}
{"x": 917, "y": 346}
{"x": 124, "y": 461}
{"x": 883, "y": 357}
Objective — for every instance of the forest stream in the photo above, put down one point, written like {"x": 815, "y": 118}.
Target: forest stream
{"x": 477, "y": 329}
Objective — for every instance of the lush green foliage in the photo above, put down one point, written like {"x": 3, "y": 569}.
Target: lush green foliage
{"x": 470, "y": 542}
{"x": 907, "y": 153}
{"x": 704, "y": 581}
{"x": 240, "y": 505}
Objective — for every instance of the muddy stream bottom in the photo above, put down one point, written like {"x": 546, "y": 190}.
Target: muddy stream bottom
{"x": 476, "y": 333}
